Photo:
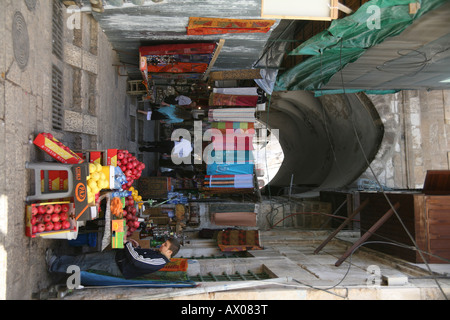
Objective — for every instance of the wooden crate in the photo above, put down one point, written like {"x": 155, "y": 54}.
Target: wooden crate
{"x": 427, "y": 218}
{"x": 154, "y": 187}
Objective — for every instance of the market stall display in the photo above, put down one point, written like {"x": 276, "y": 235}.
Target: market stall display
{"x": 51, "y": 220}
{"x": 83, "y": 179}
{"x": 176, "y": 61}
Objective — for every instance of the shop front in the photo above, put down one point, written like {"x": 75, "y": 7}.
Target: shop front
{"x": 100, "y": 199}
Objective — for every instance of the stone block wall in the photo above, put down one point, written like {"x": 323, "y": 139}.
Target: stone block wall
{"x": 417, "y": 137}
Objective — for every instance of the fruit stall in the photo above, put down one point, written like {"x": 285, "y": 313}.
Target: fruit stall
{"x": 89, "y": 191}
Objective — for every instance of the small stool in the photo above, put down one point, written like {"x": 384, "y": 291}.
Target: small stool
{"x": 49, "y": 166}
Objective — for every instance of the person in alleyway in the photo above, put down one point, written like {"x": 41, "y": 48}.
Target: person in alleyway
{"x": 168, "y": 114}
{"x": 179, "y": 100}
{"x": 181, "y": 148}
{"x": 130, "y": 262}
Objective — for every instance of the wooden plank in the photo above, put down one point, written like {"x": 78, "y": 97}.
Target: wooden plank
{"x": 438, "y": 231}
{"x": 421, "y": 227}
{"x": 344, "y": 8}
{"x": 333, "y": 12}
{"x": 214, "y": 58}
{"x": 437, "y": 182}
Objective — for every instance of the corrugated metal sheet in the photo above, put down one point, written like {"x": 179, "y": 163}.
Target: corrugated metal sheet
{"x": 128, "y": 27}
{"x": 418, "y": 58}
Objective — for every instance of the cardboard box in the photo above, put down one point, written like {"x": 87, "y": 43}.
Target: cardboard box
{"x": 109, "y": 172}
{"x": 111, "y": 157}
{"x": 80, "y": 172}
{"x": 118, "y": 232}
{"x": 154, "y": 187}
{"x": 57, "y": 180}
{"x": 143, "y": 243}
{"x": 96, "y": 157}
{"x": 56, "y": 149}
{"x": 104, "y": 157}
{"x": 70, "y": 233}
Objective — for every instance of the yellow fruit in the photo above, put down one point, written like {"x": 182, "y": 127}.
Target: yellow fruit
{"x": 131, "y": 189}
{"x": 92, "y": 184}
{"x": 102, "y": 176}
{"x": 91, "y": 198}
{"x": 103, "y": 184}
{"x": 95, "y": 176}
{"x": 95, "y": 190}
{"x": 99, "y": 167}
{"x": 92, "y": 168}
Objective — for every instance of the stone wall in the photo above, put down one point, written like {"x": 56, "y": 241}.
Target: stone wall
{"x": 417, "y": 137}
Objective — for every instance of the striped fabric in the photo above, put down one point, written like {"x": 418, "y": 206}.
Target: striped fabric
{"x": 219, "y": 99}
{"x": 229, "y": 181}
{"x": 230, "y": 168}
{"x": 245, "y": 91}
{"x": 239, "y": 240}
{"x": 223, "y": 125}
{"x": 232, "y": 114}
{"x": 234, "y": 140}
{"x": 230, "y": 156}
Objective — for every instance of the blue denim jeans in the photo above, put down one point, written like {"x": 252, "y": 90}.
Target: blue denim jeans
{"x": 102, "y": 261}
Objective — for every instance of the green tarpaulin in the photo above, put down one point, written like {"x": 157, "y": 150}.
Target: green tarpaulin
{"x": 347, "y": 39}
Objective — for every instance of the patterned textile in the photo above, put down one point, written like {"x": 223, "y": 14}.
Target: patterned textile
{"x": 235, "y": 74}
{"x": 202, "y": 26}
{"x": 232, "y": 125}
{"x": 240, "y": 91}
{"x": 219, "y": 99}
{"x": 230, "y": 156}
{"x": 178, "y": 58}
{"x": 232, "y": 114}
{"x": 230, "y": 168}
{"x": 173, "y": 49}
{"x": 178, "y": 67}
{"x": 176, "y": 264}
{"x": 229, "y": 181}
{"x": 233, "y": 142}
{"x": 238, "y": 240}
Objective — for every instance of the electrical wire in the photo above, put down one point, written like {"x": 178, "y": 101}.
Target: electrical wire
{"x": 398, "y": 67}
{"x": 350, "y": 264}
{"x": 312, "y": 213}
{"x": 415, "y": 247}
{"x": 376, "y": 178}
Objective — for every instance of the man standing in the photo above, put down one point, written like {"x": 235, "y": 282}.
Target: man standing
{"x": 130, "y": 262}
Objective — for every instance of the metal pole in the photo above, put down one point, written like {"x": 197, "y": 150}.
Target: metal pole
{"x": 368, "y": 234}
{"x": 215, "y": 288}
{"x": 332, "y": 235}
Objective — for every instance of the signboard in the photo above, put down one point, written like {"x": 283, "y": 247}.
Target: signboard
{"x": 325, "y": 10}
